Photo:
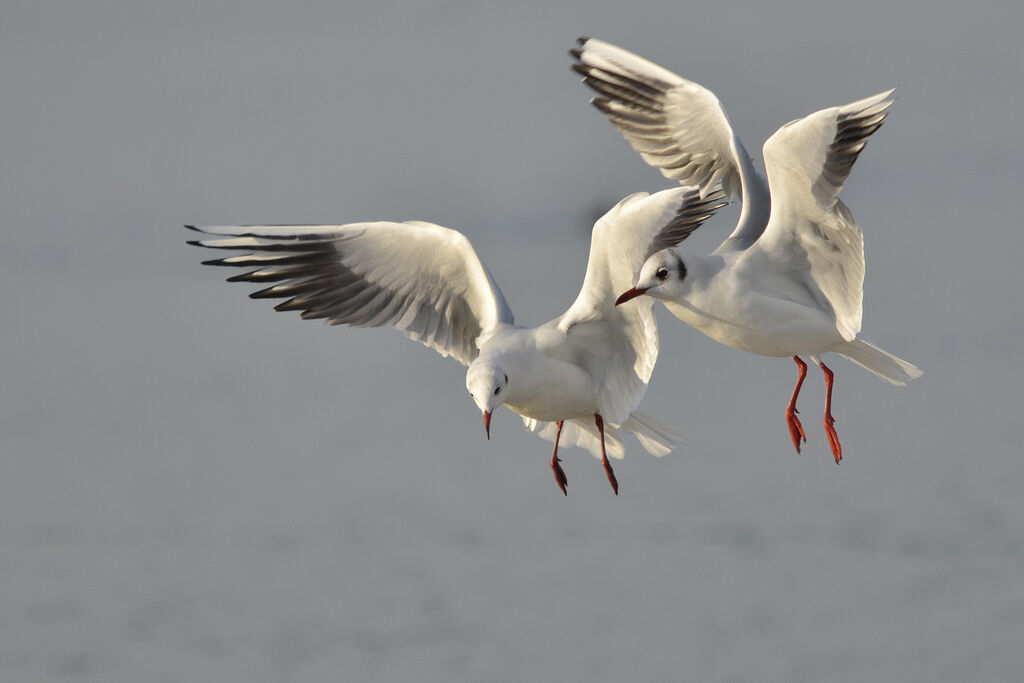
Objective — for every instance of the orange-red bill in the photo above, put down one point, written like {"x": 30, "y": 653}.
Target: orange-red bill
{"x": 629, "y": 294}
{"x": 487, "y": 424}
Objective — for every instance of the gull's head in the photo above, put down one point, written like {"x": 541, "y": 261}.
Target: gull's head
{"x": 661, "y": 276}
{"x": 488, "y": 385}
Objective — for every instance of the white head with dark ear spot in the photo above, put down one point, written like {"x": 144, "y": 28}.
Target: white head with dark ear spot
{"x": 662, "y": 276}
{"x": 488, "y": 385}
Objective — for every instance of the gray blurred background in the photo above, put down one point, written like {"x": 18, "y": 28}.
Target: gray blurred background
{"x": 197, "y": 488}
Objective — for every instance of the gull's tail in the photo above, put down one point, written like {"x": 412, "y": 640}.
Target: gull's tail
{"x": 656, "y": 438}
{"x": 884, "y": 364}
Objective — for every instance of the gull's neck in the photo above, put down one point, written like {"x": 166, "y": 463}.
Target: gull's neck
{"x": 701, "y": 272}
{"x": 756, "y": 205}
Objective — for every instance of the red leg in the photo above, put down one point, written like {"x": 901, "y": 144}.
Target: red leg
{"x": 555, "y": 467}
{"x": 604, "y": 456}
{"x": 796, "y": 430}
{"x": 830, "y": 431}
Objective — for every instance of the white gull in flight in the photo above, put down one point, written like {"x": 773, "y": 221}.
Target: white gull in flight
{"x": 577, "y": 379}
{"x": 789, "y": 279}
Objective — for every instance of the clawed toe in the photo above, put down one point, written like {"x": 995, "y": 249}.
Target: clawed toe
{"x": 556, "y": 469}
{"x": 611, "y": 477}
{"x": 830, "y": 431}
{"x": 796, "y": 430}
{"x": 559, "y": 473}
{"x": 833, "y": 438}
{"x": 599, "y": 421}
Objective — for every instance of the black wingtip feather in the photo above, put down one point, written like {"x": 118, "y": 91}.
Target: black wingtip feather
{"x": 244, "y": 277}
{"x": 635, "y": 98}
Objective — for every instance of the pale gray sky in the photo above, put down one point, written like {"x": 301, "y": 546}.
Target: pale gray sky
{"x": 198, "y": 488}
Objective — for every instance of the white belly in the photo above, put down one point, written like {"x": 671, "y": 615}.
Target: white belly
{"x": 556, "y": 391}
{"x": 762, "y": 325}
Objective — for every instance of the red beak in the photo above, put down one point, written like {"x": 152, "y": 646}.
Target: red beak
{"x": 629, "y": 294}
{"x": 487, "y": 424}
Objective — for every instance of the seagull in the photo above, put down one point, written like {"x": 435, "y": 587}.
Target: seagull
{"x": 576, "y": 379}
{"x": 788, "y": 281}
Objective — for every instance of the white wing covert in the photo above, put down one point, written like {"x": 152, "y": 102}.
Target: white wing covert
{"x": 417, "y": 277}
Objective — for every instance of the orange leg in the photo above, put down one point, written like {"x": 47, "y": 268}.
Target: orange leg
{"x": 796, "y": 430}
{"x": 555, "y": 467}
{"x": 604, "y": 456}
{"x": 830, "y": 431}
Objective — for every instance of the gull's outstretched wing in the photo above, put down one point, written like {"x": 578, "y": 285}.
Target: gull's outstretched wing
{"x": 417, "y": 277}
{"x": 807, "y": 162}
{"x": 627, "y": 336}
{"x": 677, "y": 126}
{"x": 622, "y": 239}
{"x": 815, "y": 154}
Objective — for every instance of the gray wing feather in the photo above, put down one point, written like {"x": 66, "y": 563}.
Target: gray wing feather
{"x": 691, "y": 215}
{"x": 808, "y": 161}
{"x": 676, "y": 125}
{"x": 854, "y": 124}
{"x": 419, "y": 278}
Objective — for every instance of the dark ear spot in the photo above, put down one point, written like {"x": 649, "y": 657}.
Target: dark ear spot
{"x": 682, "y": 267}
{"x": 506, "y": 378}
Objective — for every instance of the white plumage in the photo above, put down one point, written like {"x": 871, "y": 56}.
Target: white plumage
{"x": 789, "y": 279}
{"x": 587, "y": 369}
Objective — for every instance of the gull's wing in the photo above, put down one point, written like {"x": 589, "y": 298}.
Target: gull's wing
{"x": 622, "y": 239}
{"x": 815, "y": 154}
{"x": 677, "y": 126}
{"x": 416, "y": 277}
{"x": 807, "y": 162}
{"x": 627, "y": 336}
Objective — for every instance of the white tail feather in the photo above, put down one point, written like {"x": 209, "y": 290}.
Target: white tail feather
{"x": 656, "y": 438}
{"x": 884, "y": 364}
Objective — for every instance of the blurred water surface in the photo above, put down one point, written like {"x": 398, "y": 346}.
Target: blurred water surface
{"x": 197, "y": 488}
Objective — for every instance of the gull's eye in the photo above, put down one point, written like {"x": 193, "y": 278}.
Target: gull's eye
{"x": 662, "y": 273}
{"x": 497, "y": 390}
